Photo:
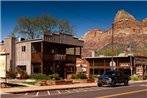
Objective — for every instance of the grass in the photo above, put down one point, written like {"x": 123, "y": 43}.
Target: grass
{"x": 31, "y": 83}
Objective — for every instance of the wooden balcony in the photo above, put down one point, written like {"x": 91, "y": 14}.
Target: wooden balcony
{"x": 36, "y": 57}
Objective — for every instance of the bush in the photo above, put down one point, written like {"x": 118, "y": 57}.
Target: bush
{"x": 11, "y": 74}
{"x": 135, "y": 77}
{"x": 39, "y": 76}
{"x": 145, "y": 76}
{"x": 45, "y": 77}
{"x": 74, "y": 76}
{"x": 81, "y": 76}
{"x": 23, "y": 74}
{"x": 91, "y": 76}
{"x": 55, "y": 76}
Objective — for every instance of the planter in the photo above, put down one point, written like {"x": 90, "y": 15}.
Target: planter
{"x": 90, "y": 80}
{"x": 41, "y": 83}
{"x": 87, "y": 80}
{"x": 83, "y": 81}
{"x": 53, "y": 82}
{"x": 62, "y": 82}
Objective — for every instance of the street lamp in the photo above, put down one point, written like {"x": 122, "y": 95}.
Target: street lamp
{"x": 112, "y": 63}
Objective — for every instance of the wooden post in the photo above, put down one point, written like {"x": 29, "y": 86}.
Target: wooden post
{"x": 80, "y": 51}
{"x": 75, "y": 59}
{"x": 117, "y": 67}
{"x": 42, "y": 54}
{"x": 93, "y": 66}
{"x": 104, "y": 66}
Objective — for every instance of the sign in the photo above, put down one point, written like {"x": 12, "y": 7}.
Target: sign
{"x": 112, "y": 63}
{"x": 2, "y": 65}
{"x": 60, "y": 57}
{"x": 124, "y": 64}
{"x": 139, "y": 70}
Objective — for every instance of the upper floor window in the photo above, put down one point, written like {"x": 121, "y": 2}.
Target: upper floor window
{"x": 23, "y": 48}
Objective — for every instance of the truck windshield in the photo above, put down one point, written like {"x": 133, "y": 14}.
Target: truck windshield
{"x": 109, "y": 73}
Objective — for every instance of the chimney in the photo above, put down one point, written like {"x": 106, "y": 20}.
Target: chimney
{"x": 9, "y": 45}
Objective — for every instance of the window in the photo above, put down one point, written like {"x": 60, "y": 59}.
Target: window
{"x": 70, "y": 69}
{"x": 23, "y": 48}
{"x": 22, "y": 67}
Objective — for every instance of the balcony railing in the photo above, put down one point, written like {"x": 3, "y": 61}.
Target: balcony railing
{"x": 36, "y": 57}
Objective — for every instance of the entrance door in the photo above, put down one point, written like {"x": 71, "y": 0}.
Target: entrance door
{"x": 59, "y": 67}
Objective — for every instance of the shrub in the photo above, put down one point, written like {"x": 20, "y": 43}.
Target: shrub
{"x": 135, "y": 77}
{"x": 74, "y": 76}
{"x": 91, "y": 76}
{"x": 11, "y": 74}
{"x": 45, "y": 77}
{"x": 39, "y": 76}
{"x": 55, "y": 76}
{"x": 23, "y": 74}
{"x": 81, "y": 76}
{"x": 145, "y": 76}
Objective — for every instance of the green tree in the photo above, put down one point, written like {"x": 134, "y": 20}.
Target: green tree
{"x": 32, "y": 28}
{"x": 26, "y": 27}
{"x": 46, "y": 24}
{"x": 65, "y": 27}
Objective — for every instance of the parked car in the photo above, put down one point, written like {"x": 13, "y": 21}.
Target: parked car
{"x": 112, "y": 77}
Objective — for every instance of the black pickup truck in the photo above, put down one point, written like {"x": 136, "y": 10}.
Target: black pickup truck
{"x": 112, "y": 77}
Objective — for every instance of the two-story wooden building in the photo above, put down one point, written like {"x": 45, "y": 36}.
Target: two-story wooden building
{"x": 54, "y": 53}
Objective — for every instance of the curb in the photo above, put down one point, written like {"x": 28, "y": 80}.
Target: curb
{"x": 56, "y": 87}
{"x": 43, "y": 88}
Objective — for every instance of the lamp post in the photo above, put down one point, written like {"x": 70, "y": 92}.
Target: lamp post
{"x": 112, "y": 63}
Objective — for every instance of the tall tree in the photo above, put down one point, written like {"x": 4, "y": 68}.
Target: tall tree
{"x": 32, "y": 28}
{"x": 26, "y": 27}
{"x": 65, "y": 27}
{"x": 46, "y": 24}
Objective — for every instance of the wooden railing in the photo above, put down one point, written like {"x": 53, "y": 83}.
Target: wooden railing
{"x": 36, "y": 57}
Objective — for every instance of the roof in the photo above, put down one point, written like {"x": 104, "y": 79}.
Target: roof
{"x": 106, "y": 57}
{"x": 59, "y": 39}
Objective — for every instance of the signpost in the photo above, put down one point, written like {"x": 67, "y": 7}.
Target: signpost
{"x": 112, "y": 65}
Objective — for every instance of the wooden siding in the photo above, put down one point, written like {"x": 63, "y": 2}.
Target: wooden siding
{"x": 63, "y": 39}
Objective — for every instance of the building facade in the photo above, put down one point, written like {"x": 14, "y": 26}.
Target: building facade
{"x": 54, "y": 53}
{"x": 128, "y": 64}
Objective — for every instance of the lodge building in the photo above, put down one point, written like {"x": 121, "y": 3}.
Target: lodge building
{"x": 55, "y": 53}
{"x": 129, "y": 64}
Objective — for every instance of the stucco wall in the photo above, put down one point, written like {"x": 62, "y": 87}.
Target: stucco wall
{"x": 24, "y": 57}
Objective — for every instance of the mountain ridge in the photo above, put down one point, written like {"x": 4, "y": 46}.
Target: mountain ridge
{"x": 127, "y": 31}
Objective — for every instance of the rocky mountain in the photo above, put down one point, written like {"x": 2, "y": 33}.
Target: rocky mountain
{"x": 128, "y": 32}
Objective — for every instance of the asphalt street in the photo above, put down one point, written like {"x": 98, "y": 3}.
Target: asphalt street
{"x": 137, "y": 90}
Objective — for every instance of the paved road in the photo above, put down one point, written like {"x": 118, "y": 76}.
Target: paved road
{"x": 137, "y": 90}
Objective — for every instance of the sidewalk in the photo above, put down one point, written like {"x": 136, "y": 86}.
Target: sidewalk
{"x": 53, "y": 87}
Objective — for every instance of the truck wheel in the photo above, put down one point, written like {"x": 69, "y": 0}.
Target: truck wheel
{"x": 99, "y": 85}
{"x": 113, "y": 83}
{"x": 126, "y": 82}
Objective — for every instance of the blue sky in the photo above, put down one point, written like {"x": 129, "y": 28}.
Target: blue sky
{"x": 83, "y": 15}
